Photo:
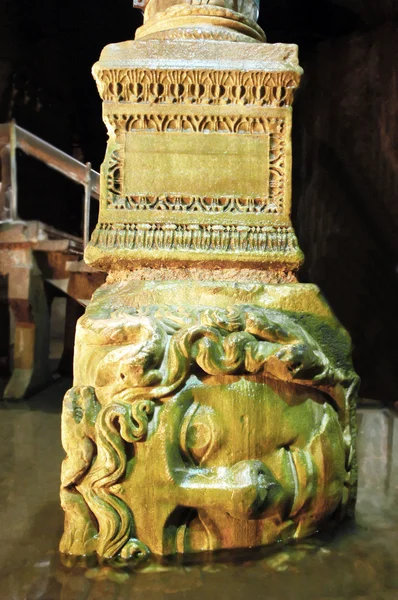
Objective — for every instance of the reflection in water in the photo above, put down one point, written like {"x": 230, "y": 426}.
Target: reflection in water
{"x": 358, "y": 562}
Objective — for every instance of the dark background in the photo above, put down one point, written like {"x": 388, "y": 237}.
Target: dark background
{"x": 345, "y": 142}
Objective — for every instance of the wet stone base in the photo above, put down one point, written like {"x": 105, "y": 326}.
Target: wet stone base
{"x": 359, "y": 562}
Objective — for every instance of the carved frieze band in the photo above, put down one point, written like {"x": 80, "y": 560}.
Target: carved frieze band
{"x": 198, "y": 123}
{"x": 274, "y": 127}
{"x": 194, "y": 204}
{"x": 182, "y": 86}
{"x": 194, "y": 237}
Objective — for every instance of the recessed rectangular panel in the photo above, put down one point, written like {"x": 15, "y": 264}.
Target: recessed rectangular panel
{"x": 196, "y": 164}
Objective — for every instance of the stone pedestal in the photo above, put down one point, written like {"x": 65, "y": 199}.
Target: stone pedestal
{"x": 197, "y": 173}
{"x": 213, "y": 404}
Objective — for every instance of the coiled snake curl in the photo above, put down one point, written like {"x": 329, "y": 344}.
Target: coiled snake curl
{"x": 115, "y": 424}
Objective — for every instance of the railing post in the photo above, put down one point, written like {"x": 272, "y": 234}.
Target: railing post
{"x": 13, "y": 167}
{"x": 87, "y": 203}
{"x": 5, "y": 189}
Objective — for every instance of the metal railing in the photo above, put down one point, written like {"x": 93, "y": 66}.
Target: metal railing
{"x": 12, "y": 138}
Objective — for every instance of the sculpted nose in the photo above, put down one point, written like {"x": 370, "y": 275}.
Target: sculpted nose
{"x": 245, "y": 490}
{"x": 254, "y": 483}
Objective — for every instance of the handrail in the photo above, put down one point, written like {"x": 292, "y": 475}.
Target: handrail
{"x": 49, "y": 154}
{"x": 13, "y": 137}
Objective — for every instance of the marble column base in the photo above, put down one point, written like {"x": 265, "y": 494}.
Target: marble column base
{"x": 206, "y": 416}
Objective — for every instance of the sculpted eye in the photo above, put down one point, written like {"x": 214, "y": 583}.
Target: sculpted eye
{"x": 198, "y": 434}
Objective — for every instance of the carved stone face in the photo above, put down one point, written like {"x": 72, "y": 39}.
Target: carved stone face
{"x": 237, "y": 464}
{"x": 192, "y": 429}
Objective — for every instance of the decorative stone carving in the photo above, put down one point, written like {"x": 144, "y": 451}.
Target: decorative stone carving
{"x": 200, "y": 428}
{"x": 213, "y": 404}
{"x": 198, "y": 161}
